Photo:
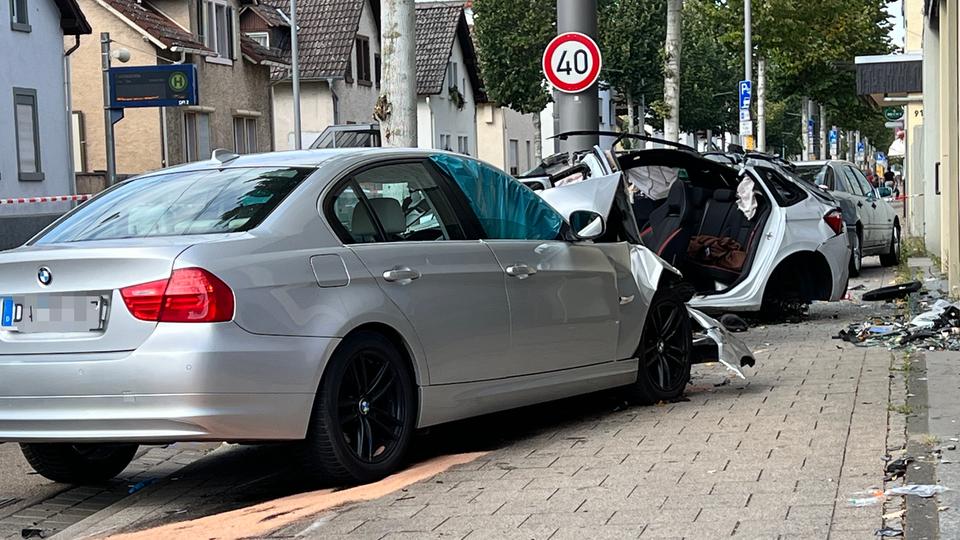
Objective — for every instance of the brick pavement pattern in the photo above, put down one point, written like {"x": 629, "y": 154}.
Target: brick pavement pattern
{"x": 774, "y": 456}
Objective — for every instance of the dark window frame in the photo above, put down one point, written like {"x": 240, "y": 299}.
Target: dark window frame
{"x": 28, "y": 96}
{"x": 468, "y": 221}
{"x": 197, "y": 154}
{"x": 364, "y": 69}
{"x": 245, "y": 133}
{"x": 378, "y": 69}
{"x": 22, "y": 22}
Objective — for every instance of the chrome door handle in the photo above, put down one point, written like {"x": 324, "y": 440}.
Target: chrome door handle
{"x": 401, "y": 275}
{"x": 520, "y": 271}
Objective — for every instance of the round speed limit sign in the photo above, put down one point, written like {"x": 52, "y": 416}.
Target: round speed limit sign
{"x": 572, "y": 62}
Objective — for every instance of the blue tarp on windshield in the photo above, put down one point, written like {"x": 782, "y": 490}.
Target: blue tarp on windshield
{"x": 507, "y": 209}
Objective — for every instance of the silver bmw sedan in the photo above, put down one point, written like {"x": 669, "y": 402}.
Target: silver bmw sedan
{"x": 340, "y": 299}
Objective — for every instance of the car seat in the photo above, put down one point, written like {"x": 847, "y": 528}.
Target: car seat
{"x": 668, "y": 232}
{"x": 389, "y": 214}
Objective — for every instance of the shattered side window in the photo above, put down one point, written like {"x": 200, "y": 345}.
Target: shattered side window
{"x": 507, "y": 209}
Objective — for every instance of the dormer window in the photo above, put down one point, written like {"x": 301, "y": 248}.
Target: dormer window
{"x": 216, "y": 27}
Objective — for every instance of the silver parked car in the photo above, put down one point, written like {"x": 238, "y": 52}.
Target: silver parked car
{"x": 874, "y": 226}
{"x": 749, "y": 238}
{"x": 340, "y": 298}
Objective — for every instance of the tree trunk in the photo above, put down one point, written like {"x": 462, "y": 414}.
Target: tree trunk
{"x": 631, "y": 126}
{"x": 537, "y": 139}
{"x": 671, "y": 82}
{"x": 396, "y": 108}
{"x": 761, "y": 104}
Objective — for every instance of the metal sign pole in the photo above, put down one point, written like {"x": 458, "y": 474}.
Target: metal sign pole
{"x": 579, "y": 111}
{"x": 108, "y": 116}
{"x": 295, "y": 68}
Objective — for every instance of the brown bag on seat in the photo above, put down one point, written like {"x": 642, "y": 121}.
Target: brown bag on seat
{"x": 718, "y": 251}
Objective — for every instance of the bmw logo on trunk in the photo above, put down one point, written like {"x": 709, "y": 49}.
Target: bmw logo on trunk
{"x": 44, "y": 276}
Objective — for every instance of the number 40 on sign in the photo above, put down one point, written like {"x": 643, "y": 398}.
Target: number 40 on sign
{"x": 572, "y": 62}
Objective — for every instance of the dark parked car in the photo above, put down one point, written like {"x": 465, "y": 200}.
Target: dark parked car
{"x": 874, "y": 225}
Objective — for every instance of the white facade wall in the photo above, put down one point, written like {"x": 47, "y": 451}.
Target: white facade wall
{"x": 318, "y": 110}
{"x": 36, "y": 63}
{"x": 437, "y": 115}
{"x": 496, "y": 128}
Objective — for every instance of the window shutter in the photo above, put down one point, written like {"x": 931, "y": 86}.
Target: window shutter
{"x": 233, "y": 24}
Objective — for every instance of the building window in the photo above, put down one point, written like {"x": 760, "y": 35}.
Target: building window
{"x": 513, "y": 157}
{"x": 245, "y": 134}
{"x": 451, "y": 74}
{"x": 19, "y": 16}
{"x": 463, "y": 144}
{"x": 216, "y": 27}
{"x": 79, "y": 140}
{"x": 263, "y": 38}
{"x": 377, "y": 69}
{"x": 364, "y": 76}
{"x": 27, "y": 129}
{"x": 444, "y": 142}
{"x": 196, "y": 135}
{"x": 529, "y": 163}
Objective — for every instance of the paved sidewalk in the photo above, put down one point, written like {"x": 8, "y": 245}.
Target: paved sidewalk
{"x": 773, "y": 456}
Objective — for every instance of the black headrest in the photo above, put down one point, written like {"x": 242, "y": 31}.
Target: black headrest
{"x": 677, "y": 198}
{"x": 724, "y": 195}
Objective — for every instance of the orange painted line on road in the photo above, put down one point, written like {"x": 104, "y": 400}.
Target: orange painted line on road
{"x": 263, "y": 518}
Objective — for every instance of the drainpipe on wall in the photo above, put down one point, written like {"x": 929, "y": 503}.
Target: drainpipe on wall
{"x": 67, "y": 89}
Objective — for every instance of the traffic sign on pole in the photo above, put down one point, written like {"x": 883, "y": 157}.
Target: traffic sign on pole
{"x": 572, "y": 62}
{"x": 746, "y": 94}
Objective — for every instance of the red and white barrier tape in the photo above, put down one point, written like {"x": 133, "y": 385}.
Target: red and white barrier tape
{"x": 55, "y": 198}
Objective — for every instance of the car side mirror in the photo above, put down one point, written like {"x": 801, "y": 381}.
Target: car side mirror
{"x": 587, "y": 224}
{"x": 884, "y": 192}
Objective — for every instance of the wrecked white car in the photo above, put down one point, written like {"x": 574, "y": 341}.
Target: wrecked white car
{"x": 747, "y": 240}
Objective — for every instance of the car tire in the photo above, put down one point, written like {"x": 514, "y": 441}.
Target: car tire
{"x": 893, "y": 257}
{"x": 78, "y": 463}
{"x": 364, "y": 413}
{"x": 856, "y": 256}
{"x": 665, "y": 350}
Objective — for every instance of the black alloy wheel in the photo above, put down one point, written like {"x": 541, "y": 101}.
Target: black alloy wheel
{"x": 665, "y": 349}
{"x": 364, "y": 414}
{"x": 371, "y": 407}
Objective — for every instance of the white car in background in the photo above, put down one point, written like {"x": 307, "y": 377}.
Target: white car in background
{"x": 775, "y": 246}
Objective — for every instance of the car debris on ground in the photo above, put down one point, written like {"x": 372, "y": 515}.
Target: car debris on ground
{"x": 924, "y": 323}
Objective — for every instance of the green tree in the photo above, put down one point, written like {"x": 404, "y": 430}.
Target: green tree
{"x": 631, "y": 34}
{"x": 510, "y": 38}
{"x": 709, "y": 73}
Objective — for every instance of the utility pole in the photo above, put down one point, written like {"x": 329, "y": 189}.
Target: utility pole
{"x": 295, "y": 66}
{"x": 396, "y": 109}
{"x": 108, "y": 113}
{"x": 578, "y": 111}
{"x": 761, "y": 104}
{"x": 804, "y": 134}
{"x": 747, "y": 56}
{"x": 671, "y": 83}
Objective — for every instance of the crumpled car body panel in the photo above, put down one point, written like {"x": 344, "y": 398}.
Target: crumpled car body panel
{"x": 647, "y": 269}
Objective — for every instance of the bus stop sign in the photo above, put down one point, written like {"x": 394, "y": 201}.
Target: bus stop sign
{"x": 153, "y": 86}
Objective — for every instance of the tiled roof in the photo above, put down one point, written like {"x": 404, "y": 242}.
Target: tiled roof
{"x": 438, "y": 24}
{"x": 327, "y": 31}
{"x": 260, "y": 54}
{"x": 270, "y": 15}
{"x": 156, "y": 25}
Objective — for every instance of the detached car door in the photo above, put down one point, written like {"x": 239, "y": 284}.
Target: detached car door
{"x": 563, "y": 296}
{"x": 399, "y": 219}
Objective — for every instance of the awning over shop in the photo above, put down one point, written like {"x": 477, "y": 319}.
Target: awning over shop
{"x": 890, "y": 79}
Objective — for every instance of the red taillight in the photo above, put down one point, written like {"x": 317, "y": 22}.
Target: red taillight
{"x": 190, "y": 295}
{"x": 835, "y": 220}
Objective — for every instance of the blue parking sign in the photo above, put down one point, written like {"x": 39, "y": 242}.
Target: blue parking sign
{"x": 746, "y": 94}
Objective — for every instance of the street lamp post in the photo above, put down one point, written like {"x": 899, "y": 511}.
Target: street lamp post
{"x": 578, "y": 111}
{"x": 295, "y": 67}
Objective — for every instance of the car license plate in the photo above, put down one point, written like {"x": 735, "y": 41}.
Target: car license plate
{"x": 52, "y": 313}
